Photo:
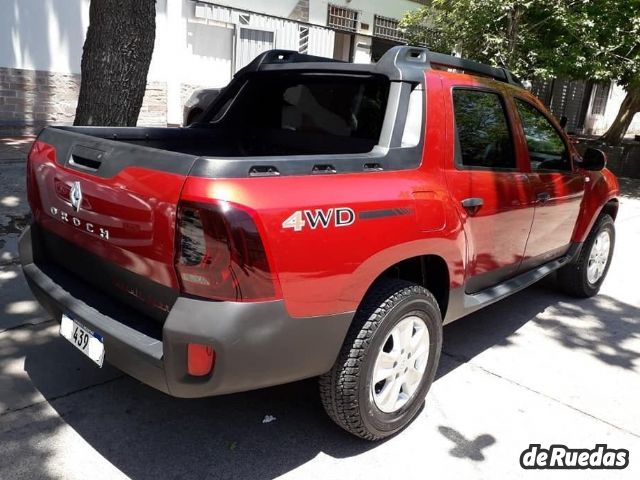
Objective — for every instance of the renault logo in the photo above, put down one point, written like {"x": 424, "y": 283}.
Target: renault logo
{"x": 75, "y": 196}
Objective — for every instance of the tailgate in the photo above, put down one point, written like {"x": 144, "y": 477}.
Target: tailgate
{"x": 106, "y": 212}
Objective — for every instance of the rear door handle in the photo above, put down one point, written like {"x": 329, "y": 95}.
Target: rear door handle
{"x": 543, "y": 197}
{"x": 472, "y": 205}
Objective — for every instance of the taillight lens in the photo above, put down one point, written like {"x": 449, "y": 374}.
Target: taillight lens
{"x": 220, "y": 255}
{"x": 40, "y": 153}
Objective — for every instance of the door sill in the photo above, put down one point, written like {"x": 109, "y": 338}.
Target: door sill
{"x": 462, "y": 304}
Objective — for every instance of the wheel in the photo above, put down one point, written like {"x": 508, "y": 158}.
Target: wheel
{"x": 387, "y": 362}
{"x": 583, "y": 277}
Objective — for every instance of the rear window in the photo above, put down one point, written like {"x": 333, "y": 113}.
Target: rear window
{"x": 326, "y": 105}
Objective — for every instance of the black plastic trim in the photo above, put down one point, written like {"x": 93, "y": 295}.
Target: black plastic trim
{"x": 116, "y": 153}
{"x": 388, "y": 154}
{"x": 392, "y": 212}
{"x": 230, "y": 167}
{"x": 257, "y": 344}
{"x": 462, "y": 304}
{"x": 124, "y": 147}
{"x": 400, "y": 63}
{"x": 147, "y": 297}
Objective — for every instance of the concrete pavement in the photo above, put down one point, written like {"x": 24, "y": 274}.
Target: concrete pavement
{"x": 538, "y": 367}
{"x": 14, "y": 148}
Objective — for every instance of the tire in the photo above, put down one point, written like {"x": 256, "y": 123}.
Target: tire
{"x": 389, "y": 308}
{"x": 574, "y": 278}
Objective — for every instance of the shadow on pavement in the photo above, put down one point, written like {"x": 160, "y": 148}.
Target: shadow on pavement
{"x": 464, "y": 448}
{"x": 146, "y": 434}
{"x": 598, "y": 326}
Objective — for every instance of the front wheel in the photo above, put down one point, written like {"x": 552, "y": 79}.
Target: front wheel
{"x": 387, "y": 363}
{"x": 583, "y": 277}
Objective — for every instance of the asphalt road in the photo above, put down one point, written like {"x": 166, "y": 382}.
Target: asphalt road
{"x": 538, "y": 367}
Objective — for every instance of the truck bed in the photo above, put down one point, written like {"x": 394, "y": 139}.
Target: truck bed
{"x": 213, "y": 141}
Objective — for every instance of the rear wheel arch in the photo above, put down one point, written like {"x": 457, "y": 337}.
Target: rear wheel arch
{"x": 350, "y": 390}
{"x": 428, "y": 271}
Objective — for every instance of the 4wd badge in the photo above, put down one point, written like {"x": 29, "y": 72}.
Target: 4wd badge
{"x": 338, "y": 217}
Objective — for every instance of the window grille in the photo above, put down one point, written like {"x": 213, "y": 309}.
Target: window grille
{"x": 386, "y": 27}
{"x": 303, "y": 36}
{"x": 600, "y": 98}
{"x": 342, "y": 18}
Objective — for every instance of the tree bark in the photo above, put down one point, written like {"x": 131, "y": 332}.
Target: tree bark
{"x": 115, "y": 61}
{"x": 630, "y": 106}
{"x": 513, "y": 30}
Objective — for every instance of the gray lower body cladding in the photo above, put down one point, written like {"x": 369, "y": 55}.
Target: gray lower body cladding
{"x": 257, "y": 344}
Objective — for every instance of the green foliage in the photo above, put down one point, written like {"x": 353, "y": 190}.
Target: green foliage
{"x": 420, "y": 29}
{"x": 536, "y": 38}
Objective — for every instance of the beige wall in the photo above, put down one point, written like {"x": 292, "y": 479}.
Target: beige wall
{"x": 598, "y": 124}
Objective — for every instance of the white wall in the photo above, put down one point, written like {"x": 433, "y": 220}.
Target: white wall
{"x": 278, "y": 8}
{"x": 197, "y": 45}
{"x": 43, "y": 34}
{"x": 362, "y": 49}
{"x": 598, "y": 124}
{"x": 321, "y": 42}
{"x": 367, "y": 8}
{"x": 49, "y": 35}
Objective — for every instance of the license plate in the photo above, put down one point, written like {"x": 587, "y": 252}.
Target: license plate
{"x": 83, "y": 339}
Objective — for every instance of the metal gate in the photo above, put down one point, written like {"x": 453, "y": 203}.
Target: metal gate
{"x": 251, "y": 43}
{"x": 565, "y": 98}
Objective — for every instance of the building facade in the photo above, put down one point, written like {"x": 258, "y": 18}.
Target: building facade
{"x": 590, "y": 107}
{"x": 199, "y": 43}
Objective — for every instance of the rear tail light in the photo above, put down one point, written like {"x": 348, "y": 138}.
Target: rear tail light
{"x": 220, "y": 254}
{"x": 40, "y": 153}
{"x": 200, "y": 359}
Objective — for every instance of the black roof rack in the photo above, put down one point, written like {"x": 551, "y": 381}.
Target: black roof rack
{"x": 280, "y": 57}
{"x": 501, "y": 74}
{"x": 400, "y": 63}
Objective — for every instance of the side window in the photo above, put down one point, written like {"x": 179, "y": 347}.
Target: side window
{"x": 413, "y": 125}
{"x": 484, "y": 138}
{"x": 547, "y": 149}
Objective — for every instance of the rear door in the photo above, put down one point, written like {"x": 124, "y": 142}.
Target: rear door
{"x": 488, "y": 182}
{"x": 558, "y": 188}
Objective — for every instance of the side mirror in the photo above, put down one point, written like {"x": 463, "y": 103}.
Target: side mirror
{"x": 593, "y": 159}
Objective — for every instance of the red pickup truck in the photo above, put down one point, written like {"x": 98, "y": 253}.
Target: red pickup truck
{"x": 321, "y": 219}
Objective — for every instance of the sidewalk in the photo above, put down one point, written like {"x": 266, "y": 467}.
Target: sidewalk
{"x": 15, "y": 148}
{"x": 14, "y": 209}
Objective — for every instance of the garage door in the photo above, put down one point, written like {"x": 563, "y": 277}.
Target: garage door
{"x": 252, "y": 43}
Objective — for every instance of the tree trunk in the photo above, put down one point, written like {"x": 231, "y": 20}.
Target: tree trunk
{"x": 513, "y": 30}
{"x": 115, "y": 61}
{"x": 630, "y": 106}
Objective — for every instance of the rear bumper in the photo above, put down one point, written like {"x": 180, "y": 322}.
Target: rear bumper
{"x": 257, "y": 344}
